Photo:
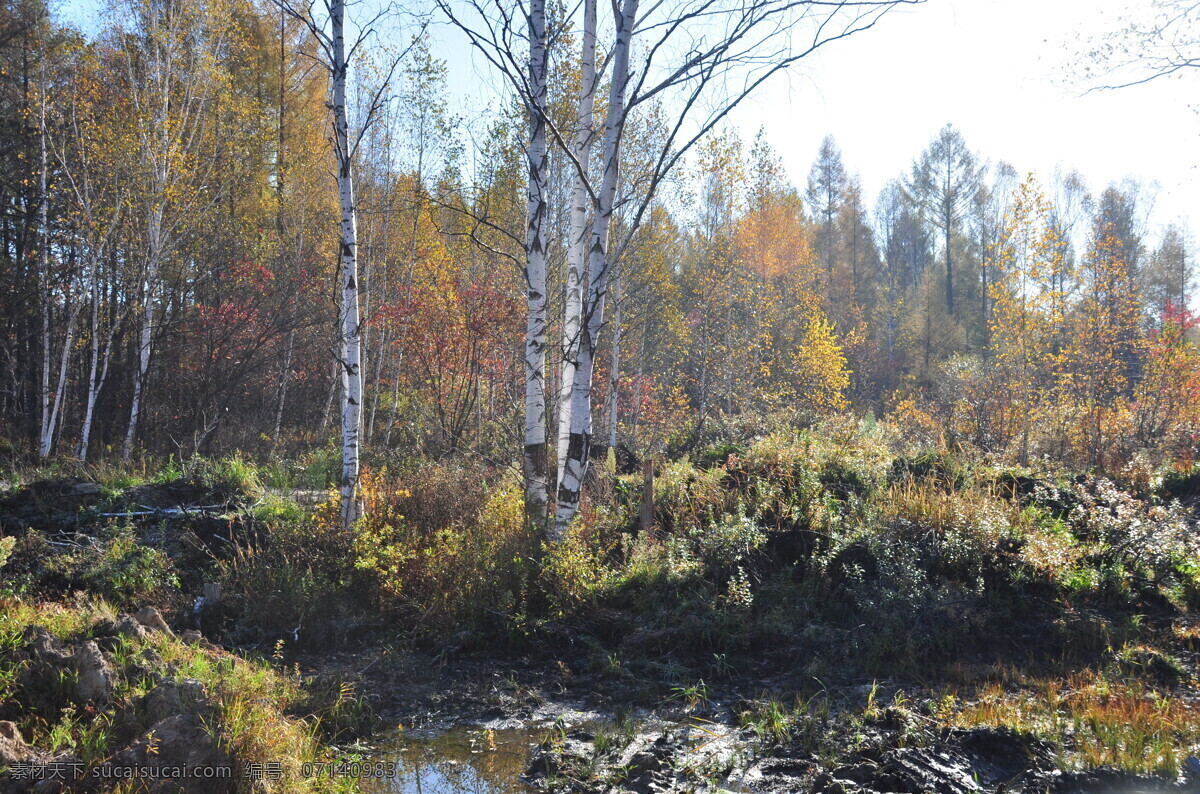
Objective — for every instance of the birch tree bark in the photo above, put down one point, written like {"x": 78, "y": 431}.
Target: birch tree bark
{"x": 614, "y": 376}
{"x": 350, "y": 353}
{"x": 536, "y": 496}
{"x": 46, "y": 434}
{"x": 579, "y": 441}
{"x": 577, "y": 252}
{"x": 97, "y": 371}
{"x": 146, "y": 331}
{"x": 348, "y": 350}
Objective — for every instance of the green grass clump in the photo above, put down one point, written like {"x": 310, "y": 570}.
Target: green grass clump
{"x": 249, "y": 699}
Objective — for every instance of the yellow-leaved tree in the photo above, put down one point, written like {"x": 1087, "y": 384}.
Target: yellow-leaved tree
{"x": 1025, "y": 301}
{"x": 820, "y": 376}
{"x": 1104, "y": 343}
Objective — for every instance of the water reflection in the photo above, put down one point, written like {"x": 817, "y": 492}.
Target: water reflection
{"x": 459, "y": 761}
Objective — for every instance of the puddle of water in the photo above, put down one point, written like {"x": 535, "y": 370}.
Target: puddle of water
{"x": 472, "y": 760}
{"x": 459, "y": 761}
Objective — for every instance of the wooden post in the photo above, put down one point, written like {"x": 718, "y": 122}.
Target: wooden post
{"x": 212, "y": 610}
{"x": 647, "y": 514}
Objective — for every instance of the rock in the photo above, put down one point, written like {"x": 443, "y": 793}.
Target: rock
{"x": 152, "y": 619}
{"x": 58, "y": 772}
{"x": 124, "y": 627}
{"x": 12, "y": 745}
{"x": 999, "y": 755}
{"x": 171, "y": 698}
{"x": 551, "y": 759}
{"x": 128, "y": 626}
{"x": 933, "y": 770}
{"x": 173, "y": 744}
{"x": 43, "y": 645}
{"x": 193, "y": 637}
{"x": 646, "y": 765}
{"x": 783, "y": 774}
{"x": 1106, "y": 780}
{"x": 865, "y": 776}
{"x": 95, "y": 674}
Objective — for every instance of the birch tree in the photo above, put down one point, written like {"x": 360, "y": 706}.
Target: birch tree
{"x": 699, "y": 59}
{"x": 330, "y": 34}
{"x": 332, "y": 40}
{"x": 535, "y": 464}
{"x": 581, "y": 155}
{"x": 49, "y": 416}
{"x": 171, "y": 64}
{"x": 92, "y": 157}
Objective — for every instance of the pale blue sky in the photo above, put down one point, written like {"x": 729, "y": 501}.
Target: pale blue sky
{"x": 997, "y": 69}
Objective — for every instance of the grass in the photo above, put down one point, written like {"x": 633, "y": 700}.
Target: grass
{"x": 1093, "y": 720}
{"x": 835, "y": 553}
{"x": 250, "y": 698}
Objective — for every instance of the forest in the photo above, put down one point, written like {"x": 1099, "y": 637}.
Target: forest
{"x": 573, "y": 433}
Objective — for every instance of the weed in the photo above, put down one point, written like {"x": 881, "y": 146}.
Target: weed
{"x": 692, "y": 696}
{"x": 1121, "y": 724}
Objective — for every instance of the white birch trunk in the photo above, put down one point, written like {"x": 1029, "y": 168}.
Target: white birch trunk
{"x": 63, "y": 362}
{"x": 581, "y": 148}
{"x": 146, "y": 333}
{"x": 579, "y": 442}
{"x": 614, "y": 377}
{"x": 97, "y": 371}
{"x": 350, "y": 348}
{"x": 47, "y": 424}
{"x": 89, "y": 402}
{"x": 536, "y": 495}
{"x": 156, "y": 151}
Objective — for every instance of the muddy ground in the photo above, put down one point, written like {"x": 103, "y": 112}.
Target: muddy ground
{"x": 591, "y": 732}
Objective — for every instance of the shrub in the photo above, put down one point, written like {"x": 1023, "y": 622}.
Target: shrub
{"x": 1180, "y": 484}
{"x": 685, "y": 496}
{"x": 112, "y": 564}
{"x": 471, "y": 573}
{"x": 6, "y": 547}
{"x": 230, "y": 476}
{"x": 721, "y": 546}
{"x": 938, "y": 467}
{"x": 293, "y": 579}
